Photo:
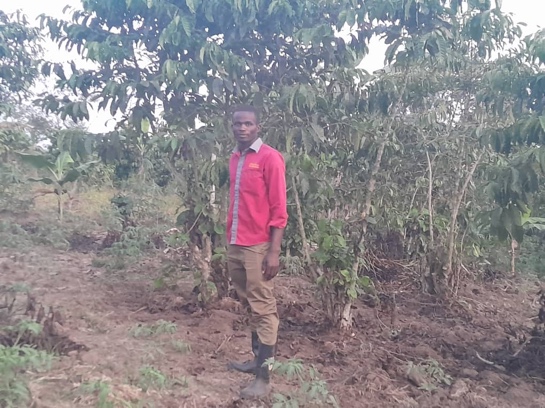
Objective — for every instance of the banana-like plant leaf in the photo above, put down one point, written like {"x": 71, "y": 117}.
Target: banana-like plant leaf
{"x": 64, "y": 160}
{"x": 518, "y": 233}
{"x": 534, "y": 220}
{"x": 37, "y": 161}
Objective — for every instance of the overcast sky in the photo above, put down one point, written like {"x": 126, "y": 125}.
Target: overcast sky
{"x": 527, "y": 11}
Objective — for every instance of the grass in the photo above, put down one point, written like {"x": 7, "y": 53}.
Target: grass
{"x": 93, "y": 203}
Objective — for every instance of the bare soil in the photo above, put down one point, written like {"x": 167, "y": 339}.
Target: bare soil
{"x": 483, "y": 339}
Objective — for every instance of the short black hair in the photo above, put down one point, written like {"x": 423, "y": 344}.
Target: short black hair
{"x": 247, "y": 108}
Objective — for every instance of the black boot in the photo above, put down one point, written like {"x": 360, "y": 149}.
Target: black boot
{"x": 248, "y": 367}
{"x": 260, "y": 387}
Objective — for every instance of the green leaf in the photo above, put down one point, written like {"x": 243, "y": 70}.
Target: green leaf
{"x": 182, "y": 217}
{"x": 145, "y": 125}
{"x": 518, "y": 233}
{"x": 170, "y": 69}
{"x": 319, "y": 131}
{"x": 352, "y": 294}
{"x": 538, "y": 227}
{"x": 63, "y": 161}
{"x": 187, "y": 25}
{"x": 365, "y": 281}
{"x": 515, "y": 216}
{"x": 219, "y": 229}
{"x": 217, "y": 87}
{"x": 542, "y": 122}
{"x": 191, "y": 6}
{"x": 371, "y": 220}
{"x": 503, "y": 234}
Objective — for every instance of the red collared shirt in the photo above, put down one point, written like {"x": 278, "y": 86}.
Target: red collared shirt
{"x": 258, "y": 195}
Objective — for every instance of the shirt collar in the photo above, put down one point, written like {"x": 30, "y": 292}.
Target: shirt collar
{"x": 256, "y": 146}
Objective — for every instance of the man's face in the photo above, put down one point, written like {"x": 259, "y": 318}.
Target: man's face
{"x": 245, "y": 127}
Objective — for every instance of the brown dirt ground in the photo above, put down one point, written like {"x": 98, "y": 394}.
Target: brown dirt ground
{"x": 366, "y": 368}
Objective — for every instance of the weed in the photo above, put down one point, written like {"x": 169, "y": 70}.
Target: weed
{"x": 151, "y": 354}
{"x": 155, "y": 329}
{"x": 133, "y": 241}
{"x": 101, "y": 390}
{"x": 129, "y": 247}
{"x": 293, "y": 265}
{"x": 111, "y": 264}
{"x": 181, "y": 346}
{"x": 94, "y": 324}
{"x": 182, "y": 381}
{"x": 13, "y": 235}
{"x": 99, "y": 262}
{"x": 433, "y": 372}
{"x": 44, "y": 232}
{"x": 311, "y": 391}
{"x": 22, "y": 328}
{"x": 152, "y": 378}
{"x": 108, "y": 396}
{"x": 14, "y": 361}
{"x": 19, "y": 287}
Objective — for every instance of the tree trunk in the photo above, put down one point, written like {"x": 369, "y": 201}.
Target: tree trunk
{"x": 60, "y": 205}
{"x": 514, "y": 246}
{"x": 430, "y": 197}
{"x": 457, "y": 203}
{"x": 213, "y": 192}
{"x": 301, "y": 224}
{"x": 346, "y": 315}
{"x": 202, "y": 260}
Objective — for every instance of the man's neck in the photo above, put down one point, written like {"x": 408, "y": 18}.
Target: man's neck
{"x": 242, "y": 147}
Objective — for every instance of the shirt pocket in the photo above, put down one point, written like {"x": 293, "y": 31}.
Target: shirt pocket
{"x": 252, "y": 181}
{"x": 252, "y": 174}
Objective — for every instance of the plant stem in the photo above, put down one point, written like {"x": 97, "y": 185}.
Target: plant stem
{"x": 300, "y": 222}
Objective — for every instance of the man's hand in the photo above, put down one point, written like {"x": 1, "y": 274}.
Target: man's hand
{"x": 271, "y": 265}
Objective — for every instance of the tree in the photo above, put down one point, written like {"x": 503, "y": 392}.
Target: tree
{"x": 166, "y": 65}
{"x": 195, "y": 60}
{"x": 19, "y": 52}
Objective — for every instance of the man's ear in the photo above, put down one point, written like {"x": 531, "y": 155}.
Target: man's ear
{"x": 259, "y": 127}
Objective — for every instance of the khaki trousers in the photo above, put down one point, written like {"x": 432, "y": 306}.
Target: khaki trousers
{"x": 245, "y": 266}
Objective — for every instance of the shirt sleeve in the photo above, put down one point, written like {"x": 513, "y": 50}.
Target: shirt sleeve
{"x": 275, "y": 179}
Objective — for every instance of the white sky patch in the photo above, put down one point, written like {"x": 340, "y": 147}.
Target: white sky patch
{"x": 530, "y": 12}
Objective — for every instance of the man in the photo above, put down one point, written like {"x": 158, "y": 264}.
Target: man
{"x": 255, "y": 226}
